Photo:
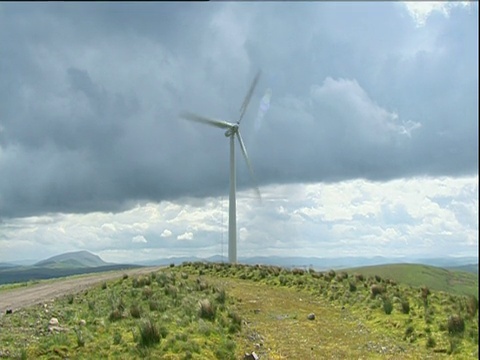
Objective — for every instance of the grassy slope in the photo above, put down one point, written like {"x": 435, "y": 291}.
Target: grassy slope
{"x": 435, "y": 278}
{"x": 273, "y": 303}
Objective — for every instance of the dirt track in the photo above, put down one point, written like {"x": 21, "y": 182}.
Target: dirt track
{"x": 25, "y": 296}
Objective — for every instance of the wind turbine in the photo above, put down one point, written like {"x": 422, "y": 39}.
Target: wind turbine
{"x": 232, "y": 132}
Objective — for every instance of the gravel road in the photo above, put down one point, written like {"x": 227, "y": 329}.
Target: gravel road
{"x": 39, "y": 293}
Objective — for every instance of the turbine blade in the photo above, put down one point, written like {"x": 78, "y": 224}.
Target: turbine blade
{"x": 244, "y": 106}
{"x": 204, "y": 120}
{"x": 249, "y": 165}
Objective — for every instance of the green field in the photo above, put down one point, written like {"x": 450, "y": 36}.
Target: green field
{"x": 222, "y": 311}
{"x": 451, "y": 281}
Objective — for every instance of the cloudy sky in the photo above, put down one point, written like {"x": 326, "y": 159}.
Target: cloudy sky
{"x": 362, "y": 130}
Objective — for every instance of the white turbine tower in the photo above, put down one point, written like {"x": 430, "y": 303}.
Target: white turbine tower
{"x": 232, "y": 131}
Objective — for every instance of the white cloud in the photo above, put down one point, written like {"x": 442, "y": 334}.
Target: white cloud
{"x": 421, "y": 10}
{"x": 415, "y": 217}
{"x": 166, "y": 233}
{"x": 109, "y": 228}
{"x": 185, "y": 236}
{"x": 139, "y": 239}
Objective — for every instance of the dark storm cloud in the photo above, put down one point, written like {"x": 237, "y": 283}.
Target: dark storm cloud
{"x": 91, "y": 92}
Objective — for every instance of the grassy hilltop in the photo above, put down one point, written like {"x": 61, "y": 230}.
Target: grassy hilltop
{"x": 436, "y": 278}
{"x": 222, "y": 311}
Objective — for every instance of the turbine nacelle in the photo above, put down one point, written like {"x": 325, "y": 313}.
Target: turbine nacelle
{"x": 231, "y": 131}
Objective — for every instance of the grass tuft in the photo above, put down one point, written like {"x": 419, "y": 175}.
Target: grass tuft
{"x": 206, "y": 310}
{"x": 149, "y": 333}
{"x": 387, "y": 306}
{"x": 135, "y": 311}
{"x": 455, "y": 324}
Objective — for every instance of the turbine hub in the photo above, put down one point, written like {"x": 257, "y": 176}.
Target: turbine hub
{"x": 231, "y": 131}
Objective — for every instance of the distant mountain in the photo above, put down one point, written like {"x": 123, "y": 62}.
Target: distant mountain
{"x": 72, "y": 260}
{"x": 73, "y": 263}
{"x": 7, "y": 266}
{"x": 24, "y": 262}
{"x": 447, "y": 262}
{"x": 471, "y": 268}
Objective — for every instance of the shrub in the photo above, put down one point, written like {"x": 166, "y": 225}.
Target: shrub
{"x": 147, "y": 292}
{"x": 425, "y": 291}
{"x": 376, "y": 290}
{"x": 359, "y": 277}
{"x": 298, "y": 271}
{"x": 70, "y": 298}
{"x": 300, "y": 281}
{"x": 149, "y": 333}
{"x": 135, "y": 311}
{"x": 221, "y": 296}
{"x": 104, "y": 285}
{"x": 142, "y": 281}
{"x": 172, "y": 277}
{"x": 410, "y": 333}
{"x": 342, "y": 276}
{"x": 387, "y": 306}
{"x": 409, "y": 330}
{"x": 206, "y": 310}
{"x": 156, "y": 305}
{"x": 201, "y": 285}
{"x": 121, "y": 305}
{"x": 125, "y": 276}
{"x": 430, "y": 342}
{"x": 472, "y": 305}
{"x": 352, "y": 287}
{"x": 236, "y": 324}
{"x": 171, "y": 290}
{"x": 405, "y": 306}
{"x": 162, "y": 279}
{"x": 455, "y": 324}
{"x": 115, "y": 315}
